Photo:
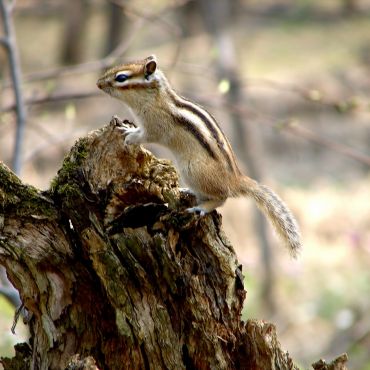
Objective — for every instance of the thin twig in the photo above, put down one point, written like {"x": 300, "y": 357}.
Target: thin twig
{"x": 294, "y": 129}
{"x": 110, "y": 59}
{"x": 312, "y": 95}
{"x": 310, "y": 135}
{"x": 4, "y": 42}
{"x": 53, "y": 98}
{"x": 335, "y": 146}
{"x": 15, "y": 71}
{"x": 18, "y": 311}
{"x": 52, "y": 142}
{"x": 88, "y": 67}
{"x": 172, "y": 28}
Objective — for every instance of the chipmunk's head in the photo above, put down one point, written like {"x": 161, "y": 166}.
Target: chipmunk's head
{"x": 133, "y": 83}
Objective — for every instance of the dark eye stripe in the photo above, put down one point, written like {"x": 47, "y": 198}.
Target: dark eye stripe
{"x": 121, "y": 77}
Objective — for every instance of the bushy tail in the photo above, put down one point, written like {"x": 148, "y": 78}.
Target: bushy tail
{"x": 276, "y": 211}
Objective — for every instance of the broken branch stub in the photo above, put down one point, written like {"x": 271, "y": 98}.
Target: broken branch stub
{"x": 114, "y": 273}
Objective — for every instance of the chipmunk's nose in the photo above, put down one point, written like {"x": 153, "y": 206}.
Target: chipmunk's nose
{"x": 101, "y": 83}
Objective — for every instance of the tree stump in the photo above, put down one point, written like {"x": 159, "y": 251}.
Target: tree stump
{"x": 114, "y": 274}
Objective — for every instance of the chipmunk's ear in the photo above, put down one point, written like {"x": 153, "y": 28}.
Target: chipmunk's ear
{"x": 150, "y": 66}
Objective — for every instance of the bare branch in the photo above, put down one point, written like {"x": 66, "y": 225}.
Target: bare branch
{"x": 311, "y": 95}
{"x": 52, "y": 98}
{"x": 174, "y": 29}
{"x": 11, "y": 5}
{"x": 301, "y": 131}
{"x": 88, "y": 67}
{"x": 4, "y": 42}
{"x": 111, "y": 58}
{"x": 53, "y": 141}
{"x": 15, "y": 71}
{"x": 318, "y": 139}
{"x": 294, "y": 129}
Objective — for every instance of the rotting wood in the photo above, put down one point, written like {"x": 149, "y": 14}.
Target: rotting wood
{"x": 115, "y": 274}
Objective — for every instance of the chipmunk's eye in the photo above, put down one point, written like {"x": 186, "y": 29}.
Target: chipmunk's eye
{"x": 121, "y": 77}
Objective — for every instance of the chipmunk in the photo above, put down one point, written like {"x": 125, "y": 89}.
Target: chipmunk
{"x": 203, "y": 154}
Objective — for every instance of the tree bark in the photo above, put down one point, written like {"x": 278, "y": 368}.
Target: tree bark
{"x": 114, "y": 274}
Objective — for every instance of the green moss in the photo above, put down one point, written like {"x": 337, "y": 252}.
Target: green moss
{"x": 68, "y": 190}
{"x": 54, "y": 184}
{"x": 77, "y": 155}
{"x": 61, "y": 183}
{"x": 21, "y": 199}
{"x": 8, "y": 182}
{"x": 36, "y": 205}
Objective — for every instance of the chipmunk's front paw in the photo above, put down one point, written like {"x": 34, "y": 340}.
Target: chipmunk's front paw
{"x": 132, "y": 135}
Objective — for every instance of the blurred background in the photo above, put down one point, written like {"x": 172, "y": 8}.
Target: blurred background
{"x": 288, "y": 81}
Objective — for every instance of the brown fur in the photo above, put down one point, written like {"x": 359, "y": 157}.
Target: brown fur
{"x": 203, "y": 154}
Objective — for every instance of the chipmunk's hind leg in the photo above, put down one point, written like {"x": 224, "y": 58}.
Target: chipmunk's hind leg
{"x": 206, "y": 206}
